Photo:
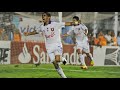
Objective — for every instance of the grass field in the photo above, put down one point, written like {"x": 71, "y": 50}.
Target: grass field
{"x": 48, "y": 71}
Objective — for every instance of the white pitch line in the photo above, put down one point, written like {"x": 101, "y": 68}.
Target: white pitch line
{"x": 67, "y": 70}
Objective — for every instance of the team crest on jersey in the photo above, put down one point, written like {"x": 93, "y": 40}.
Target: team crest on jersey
{"x": 52, "y": 29}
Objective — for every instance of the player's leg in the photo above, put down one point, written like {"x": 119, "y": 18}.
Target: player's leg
{"x": 79, "y": 46}
{"x": 59, "y": 69}
{"x": 79, "y": 51}
{"x": 55, "y": 60}
{"x": 58, "y": 58}
{"x": 89, "y": 55}
{"x": 58, "y": 51}
{"x": 84, "y": 55}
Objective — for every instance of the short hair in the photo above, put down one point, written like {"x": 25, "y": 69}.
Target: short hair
{"x": 76, "y": 17}
{"x": 47, "y": 13}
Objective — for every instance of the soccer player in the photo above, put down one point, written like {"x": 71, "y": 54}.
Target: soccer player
{"x": 81, "y": 39}
{"x": 51, "y": 31}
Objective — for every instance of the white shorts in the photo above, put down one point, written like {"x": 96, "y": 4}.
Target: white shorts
{"x": 83, "y": 46}
{"x": 54, "y": 49}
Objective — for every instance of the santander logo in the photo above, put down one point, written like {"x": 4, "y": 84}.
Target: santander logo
{"x": 24, "y": 56}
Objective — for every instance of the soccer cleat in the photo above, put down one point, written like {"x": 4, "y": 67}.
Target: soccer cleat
{"x": 84, "y": 67}
{"x": 37, "y": 64}
{"x": 92, "y": 63}
{"x": 64, "y": 60}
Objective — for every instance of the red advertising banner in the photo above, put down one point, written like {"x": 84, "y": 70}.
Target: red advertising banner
{"x": 31, "y": 52}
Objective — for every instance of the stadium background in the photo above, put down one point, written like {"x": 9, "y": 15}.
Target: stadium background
{"x": 95, "y": 21}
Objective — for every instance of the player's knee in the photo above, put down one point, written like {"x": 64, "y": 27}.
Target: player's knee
{"x": 57, "y": 58}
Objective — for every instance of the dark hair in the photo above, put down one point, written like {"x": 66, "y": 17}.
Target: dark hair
{"x": 47, "y": 13}
{"x": 76, "y": 17}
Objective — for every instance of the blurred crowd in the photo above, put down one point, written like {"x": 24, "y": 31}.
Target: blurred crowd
{"x": 108, "y": 39}
{"x": 10, "y": 33}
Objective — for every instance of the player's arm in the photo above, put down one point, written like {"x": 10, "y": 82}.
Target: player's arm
{"x": 68, "y": 23}
{"x": 31, "y": 33}
{"x": 71, "y": 23}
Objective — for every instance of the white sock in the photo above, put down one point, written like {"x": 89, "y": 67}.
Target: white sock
{"x": 90, "y": 56}
{"x": 60, "y": 72}
{"x": 82, "y": 59}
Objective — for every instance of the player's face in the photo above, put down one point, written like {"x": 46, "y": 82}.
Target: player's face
{"x": 75, "y": 22}
{"x": 45, "y": 18}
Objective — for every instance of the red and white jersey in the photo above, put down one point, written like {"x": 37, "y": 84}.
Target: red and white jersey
{"x": 79, "y": 32}
{"x": 52, "y": 32}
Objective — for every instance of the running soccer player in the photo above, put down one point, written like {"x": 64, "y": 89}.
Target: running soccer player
{"x": 81, "y": 39}
{"x": 51, "y": 32}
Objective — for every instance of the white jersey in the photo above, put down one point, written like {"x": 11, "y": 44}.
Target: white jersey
{"x": 52, "y": 32}
{"x": 79, "y": 31}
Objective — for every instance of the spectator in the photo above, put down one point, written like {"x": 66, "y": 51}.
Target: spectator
{"x": 8, "y": 28}
{"x": 3, "y": 35}
{"x": 96, "y": 41}
{"x": 113, "y": 39}
{"x": 108, "y": 37}
{"x": 118, "y": 39}
{"x": 16, "y": 34}
{"x": 102, "y": 39}
{"x": 1, "y": 32}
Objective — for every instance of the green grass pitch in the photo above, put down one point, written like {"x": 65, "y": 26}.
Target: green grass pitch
{"x": 48, "y": 71}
